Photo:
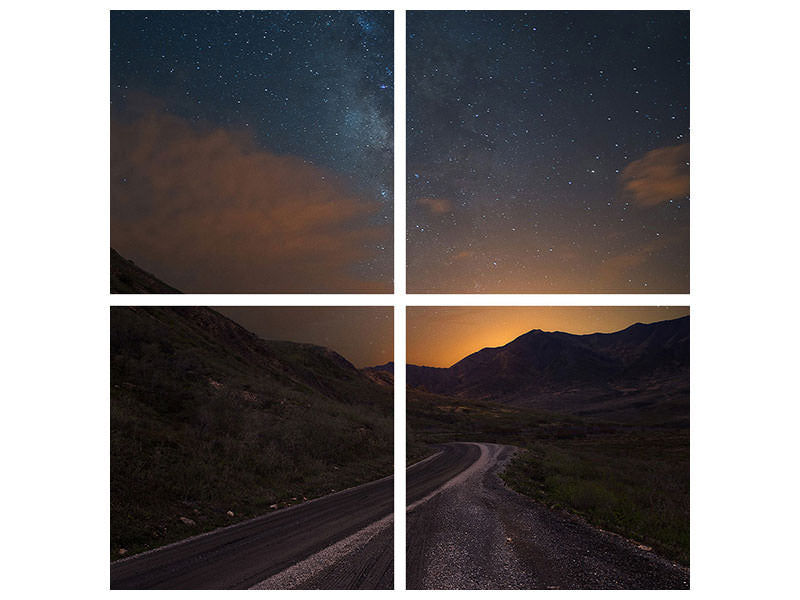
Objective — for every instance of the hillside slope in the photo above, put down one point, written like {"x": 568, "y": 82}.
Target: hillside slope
{"x": 128, "y": 278}
{"x": 208, "y": 418}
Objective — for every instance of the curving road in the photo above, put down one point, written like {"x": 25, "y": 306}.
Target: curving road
{"x": 465, "y": 530}
{"x": 471, "y": 532}
{"x": 342, "y": 540}
{"x": 427, "y": 476}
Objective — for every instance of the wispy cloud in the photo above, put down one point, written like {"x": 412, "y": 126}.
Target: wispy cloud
{"x": 659, "y": 176}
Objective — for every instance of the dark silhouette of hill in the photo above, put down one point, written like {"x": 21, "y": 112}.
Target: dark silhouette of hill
{"x": 206, "y": 418}
{"x": 128, "y": 278}
{"x": 382, "y": 374}
{"x": 385, "y": 367}
{"x": 639, "y": 373}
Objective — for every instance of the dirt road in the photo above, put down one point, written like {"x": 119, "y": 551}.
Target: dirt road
{"x": 474, "y": 533}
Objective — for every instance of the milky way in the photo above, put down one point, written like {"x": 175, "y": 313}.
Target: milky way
{"x": 315, "y": 86}
{"x": 548, "y": 151}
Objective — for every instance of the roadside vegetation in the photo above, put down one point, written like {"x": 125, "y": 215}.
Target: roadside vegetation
{"x": 627, "y": 478}
{"x": 211, "y": 425}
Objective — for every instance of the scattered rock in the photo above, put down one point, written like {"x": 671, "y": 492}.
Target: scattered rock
{"x": 229, "y": 513}
{"x": 643, "y": 547}
{"x": 187, "y": 521}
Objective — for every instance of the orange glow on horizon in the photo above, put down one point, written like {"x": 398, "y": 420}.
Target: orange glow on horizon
{"x": 440, "y": 337}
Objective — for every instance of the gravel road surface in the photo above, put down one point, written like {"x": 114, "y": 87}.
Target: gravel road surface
{"x": 471, "y": 532}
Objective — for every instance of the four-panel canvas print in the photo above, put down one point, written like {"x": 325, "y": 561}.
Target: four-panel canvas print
{"x": 253, "y": 152}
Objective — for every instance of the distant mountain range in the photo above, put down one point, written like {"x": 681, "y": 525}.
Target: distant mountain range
{"x": 639, "y": 372}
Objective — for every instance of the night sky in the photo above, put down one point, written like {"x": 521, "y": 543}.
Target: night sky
{"x": 362, "y": 334}
{"x": 252, "y": 151}
{"x": 548, "y": 152}
{"x": 441, "y": 336}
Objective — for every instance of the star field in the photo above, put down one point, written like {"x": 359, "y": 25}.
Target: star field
{"x": 548, "y": 151}
{"x": 317, "y": 86}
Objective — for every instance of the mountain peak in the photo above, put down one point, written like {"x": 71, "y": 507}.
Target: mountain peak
{"x": 563, "y": 371}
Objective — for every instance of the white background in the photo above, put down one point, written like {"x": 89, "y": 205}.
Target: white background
{"x": 55, "y": 240}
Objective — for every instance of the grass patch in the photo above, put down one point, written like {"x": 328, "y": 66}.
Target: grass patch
{"x": 636, "y": 484}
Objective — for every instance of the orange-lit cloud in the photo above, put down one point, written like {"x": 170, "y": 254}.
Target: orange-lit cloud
{"x": 438, "y": 206}
{"x": 660, "y": 176}
{"x": 207, "y": 211}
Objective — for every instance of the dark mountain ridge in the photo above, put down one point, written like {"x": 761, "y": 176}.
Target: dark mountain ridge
{"x": 599, "y": 373}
